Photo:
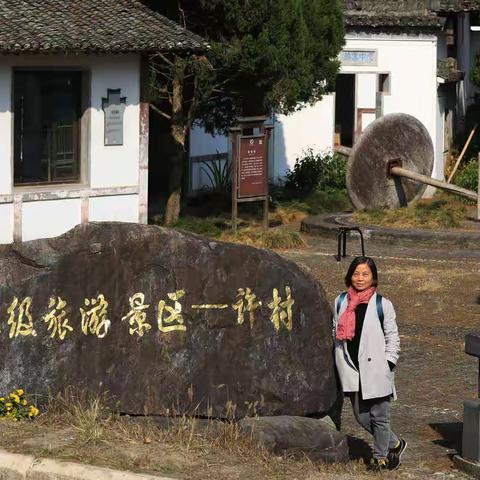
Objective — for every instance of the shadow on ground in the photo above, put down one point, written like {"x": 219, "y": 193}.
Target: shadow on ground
{"x": 451, "y": 433}
{"x": 359, "y": 449}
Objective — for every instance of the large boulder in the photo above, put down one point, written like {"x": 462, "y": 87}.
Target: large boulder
{"x": 161, "y": 318}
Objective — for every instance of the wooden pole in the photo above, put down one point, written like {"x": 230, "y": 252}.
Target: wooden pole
{"x": 403, "y": 172}
{"x": 478, "y": 198}
{"x": 267, "y": 131}
{"x": 467, "y": 143}
{"x": 345, "y": 151}
{"x": 235, "y": 139}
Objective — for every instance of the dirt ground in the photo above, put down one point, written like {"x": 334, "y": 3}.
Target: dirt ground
{"x": 437, "y": 297}
{"x": 436, "y": 294}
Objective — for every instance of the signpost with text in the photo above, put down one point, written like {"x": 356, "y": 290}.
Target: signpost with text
{"x": 250, "y": 165}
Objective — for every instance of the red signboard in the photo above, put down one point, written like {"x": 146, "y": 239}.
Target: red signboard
{"x": 252, "y": 167}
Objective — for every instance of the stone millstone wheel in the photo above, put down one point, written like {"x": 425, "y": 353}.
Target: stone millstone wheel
{"x": 396, "y": 138}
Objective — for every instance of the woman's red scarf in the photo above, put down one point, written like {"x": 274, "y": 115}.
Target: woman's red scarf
{"x": 346, "y": 322}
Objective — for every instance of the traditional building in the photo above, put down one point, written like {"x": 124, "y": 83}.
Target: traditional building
{"x": 410, "y": 56}
{"x": 73, "y": 120}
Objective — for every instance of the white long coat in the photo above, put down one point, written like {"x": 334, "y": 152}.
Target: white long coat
{"x": 376, "y": 348}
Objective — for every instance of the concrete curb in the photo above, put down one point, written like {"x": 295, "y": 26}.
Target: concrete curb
{"x": 328, "y": 225}
{"x": 14, "y": 466}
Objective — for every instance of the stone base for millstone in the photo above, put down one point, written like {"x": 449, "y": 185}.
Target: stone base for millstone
{"x": 468, "y": 466}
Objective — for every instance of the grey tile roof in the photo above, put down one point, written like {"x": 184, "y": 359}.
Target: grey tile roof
{"x": 391, "y": 13}
{"x": 89, "y": 26}
{"x": 455, "y": 5}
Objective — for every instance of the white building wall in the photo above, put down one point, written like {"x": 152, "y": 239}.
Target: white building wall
{"x": 50, "y": 210}
{"x": 6, "y": 222}
{"x": 115, "y": 165}
{"x": 49, "y": 218}
{"x": 366, "y": 90}
{"x": 309, "y": 128}
{"x": 411, "y": 61}
{"x": 205, "y": 144}
{"x": 114, "y": 209}
{"x": 5, "y": 130}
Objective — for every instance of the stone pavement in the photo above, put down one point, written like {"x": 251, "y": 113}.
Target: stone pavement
{"x": 436, "y": 294}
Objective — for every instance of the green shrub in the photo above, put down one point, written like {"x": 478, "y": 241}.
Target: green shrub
{"x": 328, "y": 200}
{"x": 316, "y": 171}
{"x": 219, "y": 173}
{"x": 467, "y": 176}
{"x": 305, "y": 175}
{"x": 334, "y": 172}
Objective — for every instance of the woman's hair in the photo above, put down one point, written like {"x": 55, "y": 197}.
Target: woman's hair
{"x": 360, "y": 261}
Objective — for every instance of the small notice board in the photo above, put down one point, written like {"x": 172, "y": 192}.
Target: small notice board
{"x": 250, "y": 165}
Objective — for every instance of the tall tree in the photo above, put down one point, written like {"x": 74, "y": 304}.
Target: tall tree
{"x": 263, "y": 55}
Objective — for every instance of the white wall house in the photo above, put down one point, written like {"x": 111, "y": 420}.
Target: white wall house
{"x": 389, "y": 64}
{"x": 375, "y": 79}
{"x": 73, "y": 122}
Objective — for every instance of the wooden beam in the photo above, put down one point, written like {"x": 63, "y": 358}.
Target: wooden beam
{"x": 143, "y": 153}
{"x": 467, "y": 143}
{"x": 346, "y": 151}
{"x": 37, "y": 196}
{"x": 17, "y": 218}
{"x": 84, "y": 209}
{"x": 463, "y": 192}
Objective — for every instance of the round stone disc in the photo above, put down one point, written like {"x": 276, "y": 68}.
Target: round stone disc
{"x": 397, "y": 138}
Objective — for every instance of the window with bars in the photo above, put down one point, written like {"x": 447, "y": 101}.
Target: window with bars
{"x": 47, "y": 109}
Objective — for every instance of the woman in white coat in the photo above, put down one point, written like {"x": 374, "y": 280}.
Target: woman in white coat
{"x": 367, "y": 346}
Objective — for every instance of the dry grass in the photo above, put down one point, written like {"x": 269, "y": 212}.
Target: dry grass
{"x": 79, "y": 427}
{"x": 422, "y": 279}
{"x": 430, "y": 285}
{"x": 285, "y": 215}
{"x": 274, "y": 238}
{"x": 436, "y": 214}
{"x": 87, "y": 414}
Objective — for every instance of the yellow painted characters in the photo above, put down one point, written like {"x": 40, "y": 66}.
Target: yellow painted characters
{"x": 94, "y": 319}
{"x": 137, "y": 316}
{"x": 20, "y": 319}
{"x": 173, "y": 320}
{"x": 56, "y": 319}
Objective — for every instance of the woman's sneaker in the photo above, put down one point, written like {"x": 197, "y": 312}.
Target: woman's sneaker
{"x": 395, "y": 454}
{"x": 378, "y": 465}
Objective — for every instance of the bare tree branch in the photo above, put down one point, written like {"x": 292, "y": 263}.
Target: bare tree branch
{"x": 182, "y": 15}
{"x": 160, "y": 112}
{"x": 165, "y": 59}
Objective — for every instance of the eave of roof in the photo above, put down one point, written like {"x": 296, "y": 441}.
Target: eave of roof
{"x": 393, "y": 21}
{"x": 406, "y": 14}
{"x": 455, "y": 6}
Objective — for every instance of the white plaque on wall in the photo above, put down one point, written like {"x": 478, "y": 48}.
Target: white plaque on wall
{"x": 114, "y": 108}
